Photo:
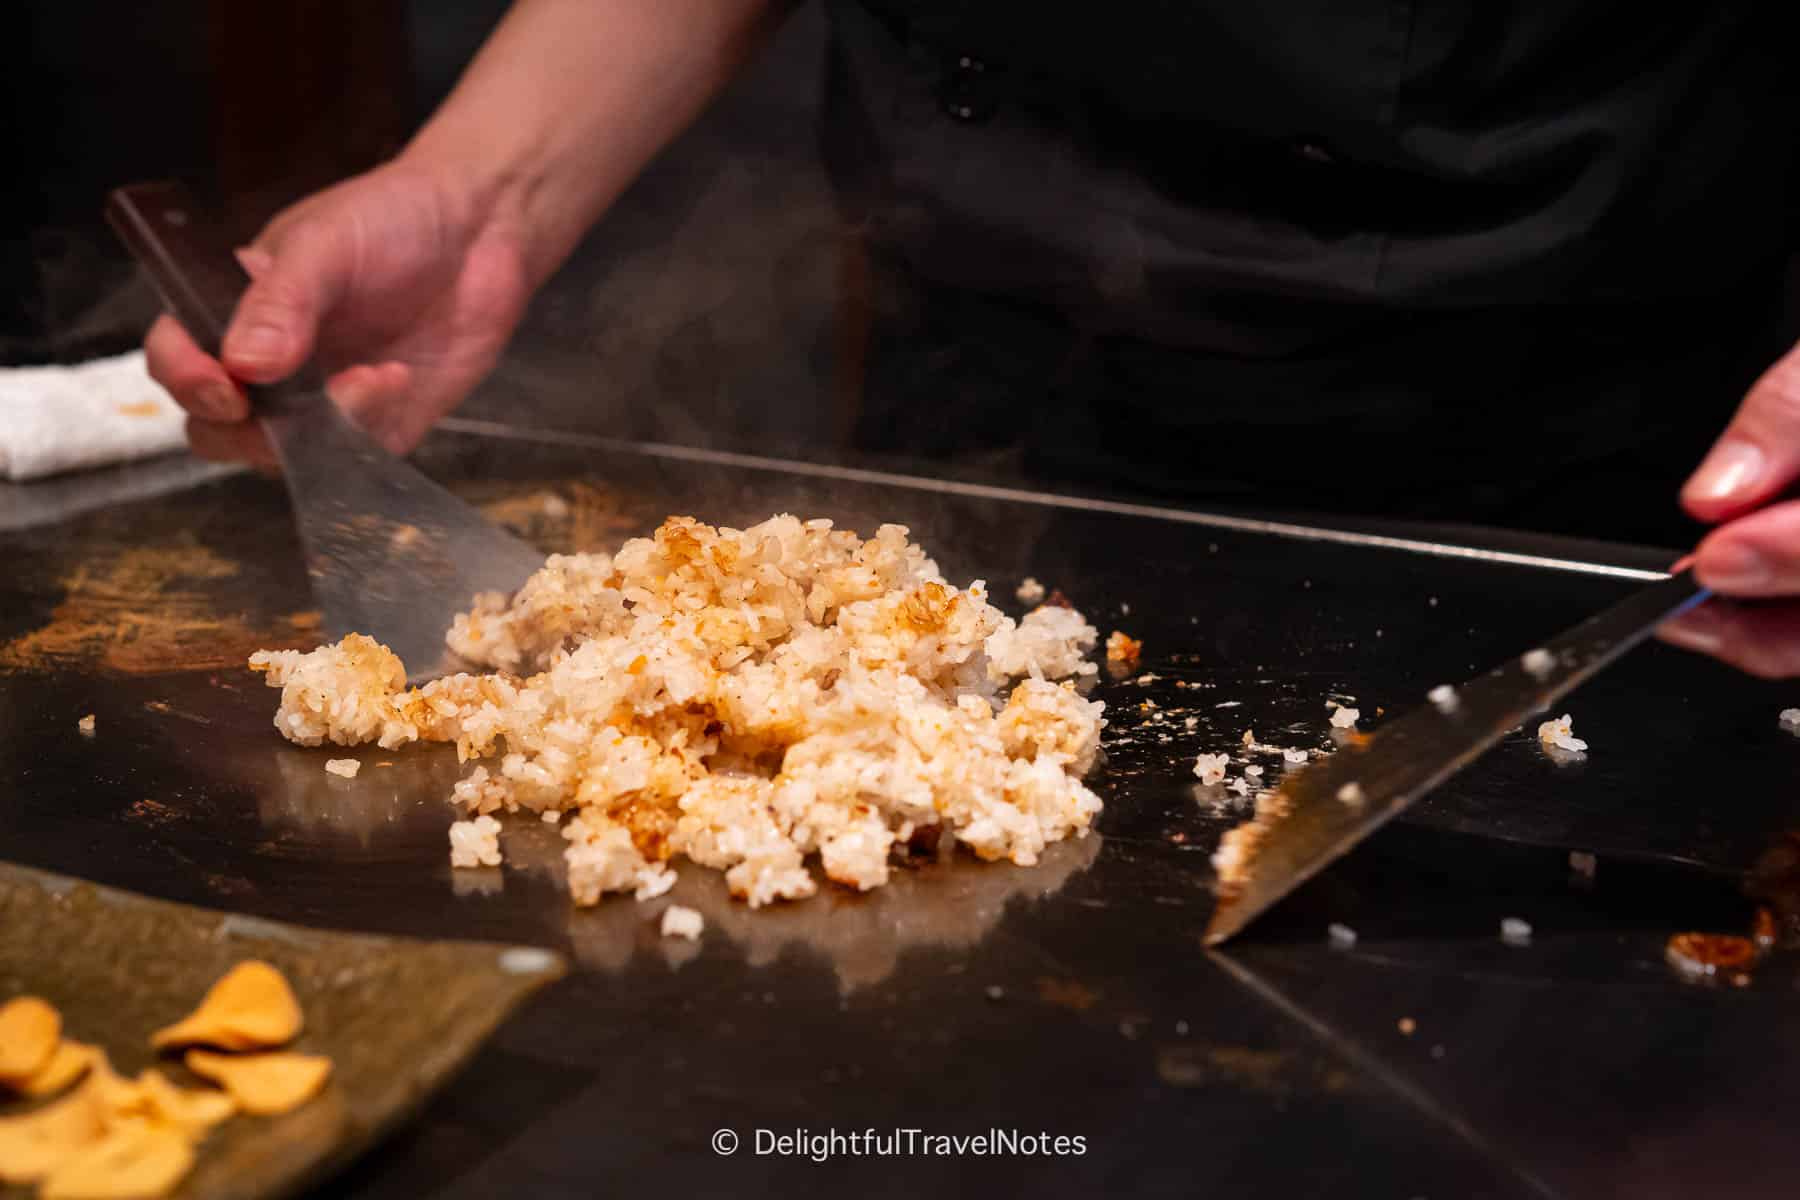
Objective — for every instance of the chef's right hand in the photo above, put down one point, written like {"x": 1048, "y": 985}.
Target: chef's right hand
{"x": 402, "y": 286}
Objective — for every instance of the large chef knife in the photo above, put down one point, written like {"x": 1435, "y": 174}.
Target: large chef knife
{"x": 1324, "y": 810}
{"x": 390, "y": 553}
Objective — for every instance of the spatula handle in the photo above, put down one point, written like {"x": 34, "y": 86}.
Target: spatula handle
{"x": 197, "y": 276}
{"x": 199, "y": 280}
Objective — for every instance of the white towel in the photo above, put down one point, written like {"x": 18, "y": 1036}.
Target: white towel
{"x": 109, "y": 410}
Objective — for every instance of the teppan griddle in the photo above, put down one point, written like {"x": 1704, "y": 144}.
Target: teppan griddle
{"x": 1072, "y": 999}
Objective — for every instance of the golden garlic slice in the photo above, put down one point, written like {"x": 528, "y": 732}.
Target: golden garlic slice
{"x": 136, "y": 1161}
{"x": 250, "y": 1008}
{"x": 29, "y": 1032}
{"x": 191, "y": 1110}
{"x": 265, "y": 1085}
{"x": 36, "y": 1143}
{"x": 69, "y": 1063}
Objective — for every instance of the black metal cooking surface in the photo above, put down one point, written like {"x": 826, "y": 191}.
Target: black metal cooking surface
{"x": 1068, "y": 999}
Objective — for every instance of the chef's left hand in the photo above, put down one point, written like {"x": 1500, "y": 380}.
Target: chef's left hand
{"x": 1754, "y": 554}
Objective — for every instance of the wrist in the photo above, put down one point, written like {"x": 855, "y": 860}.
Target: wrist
{"x": 506, "y": 188}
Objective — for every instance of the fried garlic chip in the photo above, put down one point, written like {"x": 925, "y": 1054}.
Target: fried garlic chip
{"x": 250, "y": 1008}
{"x": 265, "y": 1085}
{"x": 69, "y": 1063}
{"x": 138, "y": 1159}
{"x": 29, "y": 1032}
{"x": 191, "y": 1110}
{"x": 36, "y": 1143}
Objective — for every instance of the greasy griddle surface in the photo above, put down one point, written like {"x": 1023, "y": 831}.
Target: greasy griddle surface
{"x": 1071, "y": 997}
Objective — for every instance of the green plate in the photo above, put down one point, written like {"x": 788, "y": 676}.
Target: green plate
{"x": 398, "y": 1017}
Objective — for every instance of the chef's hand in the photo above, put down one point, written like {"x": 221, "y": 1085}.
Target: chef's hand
{"x": 404, "y": 287}
{"x": 1754, "y": 554}
{"x": 410, "y": 279}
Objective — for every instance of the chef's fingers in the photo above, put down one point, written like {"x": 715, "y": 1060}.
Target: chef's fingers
{"x": 195, "y": 378}
{"x": 1758, "y": 454}
{"x": 1761, "y": 639}
{"x": 1753, "y": 556}
{"x": 277, "y": 320}
{"x": 231, "y": 441}
{"x": 378, "y": 398}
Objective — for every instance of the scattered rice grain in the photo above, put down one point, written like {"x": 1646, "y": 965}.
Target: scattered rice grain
{"x": 1538, "y": 663}
{"x": 1560, "y": 734}
{"x": 680, "y": 921}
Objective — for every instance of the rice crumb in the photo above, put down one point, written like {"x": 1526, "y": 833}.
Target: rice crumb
{"x": 1560, "y": 734}
{"x": 1344, "y": 717}
{"x": 1342, "y": 937}
{"x": 475, "y": 843}
{"x": 1515, "y": 932}
{"x": 1538, "y": 663}
{"x": 1583, "y": 863}
{"x": 1351, "y": 794}
{"x": 1210, "y": 768}
{"x": 680, "y": 921}
{"x": 87, "y": 724}
{"x": 1444, "y": 697}
{"x": 1408, "y": 1026}
{"x": 1030, "y": 591}
{"x": 346, "y": 767}
{"x": 1121, "y": 647}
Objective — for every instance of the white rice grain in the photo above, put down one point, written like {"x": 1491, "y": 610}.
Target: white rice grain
{"x": 1210, "y": 768}
{"x": 1538, "y": 663}
{"x": 680, "y": 921}
{"x": 1515, "y": 932}
{"x": 475, "y": 843}
{"x": 1560, "y": 735}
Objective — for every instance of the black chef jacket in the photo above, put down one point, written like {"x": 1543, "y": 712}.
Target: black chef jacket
{"x": 1232, "y": 248}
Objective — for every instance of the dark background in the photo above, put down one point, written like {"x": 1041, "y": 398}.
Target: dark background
{"x": 721, "y": 302}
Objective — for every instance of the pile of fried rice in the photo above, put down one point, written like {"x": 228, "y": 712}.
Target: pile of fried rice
{"x": 747, "y": 699}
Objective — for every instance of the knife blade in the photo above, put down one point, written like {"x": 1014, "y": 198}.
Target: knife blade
{"x": 389, "y": 553}
{"x": 1322, "y": 811}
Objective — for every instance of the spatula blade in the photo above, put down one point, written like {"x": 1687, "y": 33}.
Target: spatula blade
{"x": 1321, "y": 812}
{"x": 389, "y": 553}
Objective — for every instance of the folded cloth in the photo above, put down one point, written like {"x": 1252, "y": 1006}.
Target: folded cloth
{"x": 109, "y": 410}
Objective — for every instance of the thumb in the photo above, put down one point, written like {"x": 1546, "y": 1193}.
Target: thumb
{"x": 277, "y": 320}
{"x": 1758, "y": 455}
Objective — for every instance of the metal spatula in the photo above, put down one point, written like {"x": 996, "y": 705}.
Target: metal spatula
{"x": 390, "y": 553}
{"x": 1334, "y": 804}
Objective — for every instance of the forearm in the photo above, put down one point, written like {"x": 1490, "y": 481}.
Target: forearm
{"x": 570, "y": 99}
